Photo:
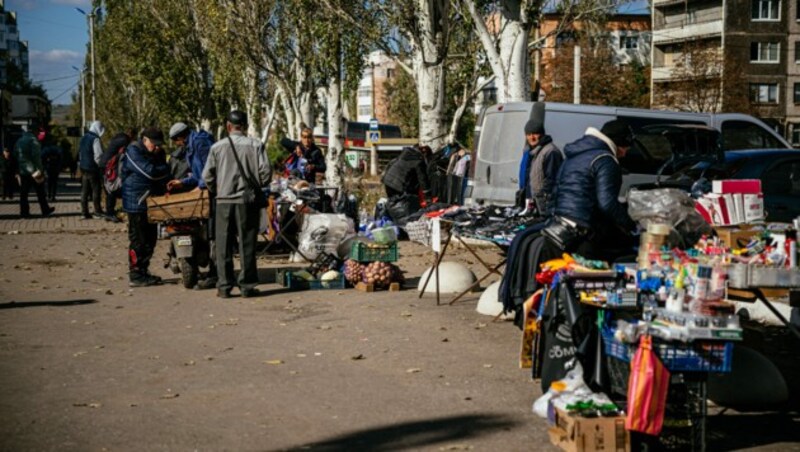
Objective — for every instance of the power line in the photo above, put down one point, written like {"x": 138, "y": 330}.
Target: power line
{"x": 56, "y": 79}
{"x": 65, "y": 91}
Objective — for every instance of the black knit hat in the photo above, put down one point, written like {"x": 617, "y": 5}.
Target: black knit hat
{"x": 155, "y": 135}
{"x": 619, "y": 131}
{"x": 534, "y": 126}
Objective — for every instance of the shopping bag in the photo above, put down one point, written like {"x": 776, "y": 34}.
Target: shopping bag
{"x": 647, "y": 390}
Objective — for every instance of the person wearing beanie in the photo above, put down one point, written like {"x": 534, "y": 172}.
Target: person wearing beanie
{"x": 538, "y": 169}
{"x": 587, "y": 193}
{"x": 144, "y": 173}
{"x": 90, "y": 155}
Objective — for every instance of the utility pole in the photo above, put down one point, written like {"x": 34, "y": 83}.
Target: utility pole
{"x": 91, "y": 39}
{"x": 576, "y": 83}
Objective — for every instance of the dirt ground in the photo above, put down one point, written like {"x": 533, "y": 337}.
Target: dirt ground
{"x": 86, "y": 363}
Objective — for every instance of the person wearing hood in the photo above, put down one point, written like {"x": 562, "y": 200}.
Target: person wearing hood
{"x": 144, "y": 173}
{"x": 406, "y": 181}
{"x": 538, "y": 169}
{"x": 90, "y": 155}
{"x": 116, "y": 147}
{"x": 587, "y": 194}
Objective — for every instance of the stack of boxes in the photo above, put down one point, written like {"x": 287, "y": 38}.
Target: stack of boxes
{"x": 732, "y": 202}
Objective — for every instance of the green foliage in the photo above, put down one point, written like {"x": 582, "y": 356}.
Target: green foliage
{"x": 402, "y": 105}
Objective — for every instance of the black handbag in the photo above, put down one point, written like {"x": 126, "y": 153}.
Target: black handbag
{"x": 564, "y": 233}
{"x": 253, "y": 194}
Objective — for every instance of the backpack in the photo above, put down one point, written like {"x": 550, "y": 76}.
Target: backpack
{"x": 112, "y": 179}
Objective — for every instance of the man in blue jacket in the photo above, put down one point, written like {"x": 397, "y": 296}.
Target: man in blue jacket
{"x": 144, "y": 173}
{"x": 589, "y": 182}
{"x": 194, "y": 145}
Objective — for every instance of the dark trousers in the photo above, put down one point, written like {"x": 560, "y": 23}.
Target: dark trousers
{"x": 91, "y": 184}
{"x": 52, "y": 184}
{"x": 26, "y": 184}
{"x": 9, "y": 184}
{"x": 111, "y": 202}
{"x": 232, "y": 221}
{"x": 142, "y": 237}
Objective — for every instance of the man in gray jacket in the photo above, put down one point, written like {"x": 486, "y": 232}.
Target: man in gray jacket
{"x": 235, "y": 215}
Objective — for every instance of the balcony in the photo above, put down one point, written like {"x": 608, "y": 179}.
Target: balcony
{"x": 661, "y": 74}
{"x": 684, "y": 32}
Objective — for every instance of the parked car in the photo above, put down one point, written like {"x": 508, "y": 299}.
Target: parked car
{"x": 697, "y": 158}
{"x": 499, "y": 140}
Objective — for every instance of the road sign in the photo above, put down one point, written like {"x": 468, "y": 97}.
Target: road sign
{"x": 373, "y": 124}
{"x": 373, "y": 137}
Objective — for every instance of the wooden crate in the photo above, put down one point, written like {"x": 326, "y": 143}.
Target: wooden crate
{"x": 178, "y": 206}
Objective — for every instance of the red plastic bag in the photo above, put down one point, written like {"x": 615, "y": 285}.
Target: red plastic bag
{"x": 647, "y": 390}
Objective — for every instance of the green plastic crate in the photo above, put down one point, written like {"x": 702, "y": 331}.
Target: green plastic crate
{"x": 362, "y": 253}
{"x": 290, "y": 281}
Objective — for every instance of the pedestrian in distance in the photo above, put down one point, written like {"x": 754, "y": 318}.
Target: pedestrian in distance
{"x": 90, "y": 154}
{"x": 28, "y": 154}
{"x": 9, "y": 166}
{"x": 187, "y": 174}
{"x": 52, "y": 162}
{"x": 144, "y": 173}
{"x": 237, "y": 213}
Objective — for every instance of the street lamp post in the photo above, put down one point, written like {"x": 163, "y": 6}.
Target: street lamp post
{"x": 90, "y": 17}
{"x": 83, "y": 98}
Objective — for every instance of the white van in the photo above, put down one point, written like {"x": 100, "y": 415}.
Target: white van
{"x": 499, "y": 140}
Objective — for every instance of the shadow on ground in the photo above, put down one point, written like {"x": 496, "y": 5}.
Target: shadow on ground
{"x": 36, "y": 304}
{"x": 415, "y": 435}
{"x": 742, "y": 430}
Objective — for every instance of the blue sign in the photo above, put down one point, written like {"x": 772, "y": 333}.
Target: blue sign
{"x": 374, "y": 137}
{"x": 373, "y": 124}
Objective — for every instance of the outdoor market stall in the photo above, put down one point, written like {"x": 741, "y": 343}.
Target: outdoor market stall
{"x": 625, "y": 352}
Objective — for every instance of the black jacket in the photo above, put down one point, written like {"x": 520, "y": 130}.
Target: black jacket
{"x": 588, "y": 185}
{"x": 408, "y": 173}
{"x": 312, "y": 154}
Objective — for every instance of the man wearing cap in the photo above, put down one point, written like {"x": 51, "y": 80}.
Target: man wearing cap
{"x": 90, "y": 154}
{"x": 193, "y": 146}
{"x": 144, "y": 173}
{"x": 538, "y": 170}
{"x": 587, "y": 194}
{"x": 236, "y": 215}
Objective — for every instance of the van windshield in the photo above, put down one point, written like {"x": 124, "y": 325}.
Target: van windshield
{"x": 737, "y": 135}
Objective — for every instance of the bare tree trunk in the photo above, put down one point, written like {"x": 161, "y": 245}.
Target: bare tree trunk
{"x": 251, "y": 101}
{"x": 335, "y": 156}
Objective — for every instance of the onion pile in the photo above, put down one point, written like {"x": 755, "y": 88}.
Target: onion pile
{"x": 353, "y": 271}
{"x": 381, "y": 274}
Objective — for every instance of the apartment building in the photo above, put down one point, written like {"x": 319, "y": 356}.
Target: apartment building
{"x": 12, "y": 50}
{"x": 758, "y": 49}
{"x": 371, "y": 97}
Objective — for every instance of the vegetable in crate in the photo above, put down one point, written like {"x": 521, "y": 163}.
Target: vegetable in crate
{"x": 381, "y": 274}
{"x": 353, "y": 271}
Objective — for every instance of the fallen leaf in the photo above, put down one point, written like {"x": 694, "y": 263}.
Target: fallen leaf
{"x": 413, "y": 370}
{"x": 301, "y": 355}
{"x": 487, "y": 366}
{"x": 189, "y": 363}
{"x": 445, "y": 340}
{"x": 109, "y": 292}
{"x": 170, "y": 396}
{"x": 79, "y": 353}
{"x": 274, "y": 361}
{"x": 405, "y": 314}
{"x": 358, "y": 357}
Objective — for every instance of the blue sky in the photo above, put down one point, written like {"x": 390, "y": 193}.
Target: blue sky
{"x": 57, "y": 37}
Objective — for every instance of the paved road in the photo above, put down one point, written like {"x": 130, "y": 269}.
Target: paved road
{"x": 86, "y": 363}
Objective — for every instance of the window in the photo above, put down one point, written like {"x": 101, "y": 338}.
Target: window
{"x": 796, "y": 135}
{"x": 389, "y": 73}
{"x": 765, "y": 52}
{"x": 365, "y": 110}
{"x": 764, "y": 93}
{"x": 629, "y": 42}
{"x": 747, "y": 135}
{"x": 691, "y": 16}
{"x": 564, "y": 38}
{"x": 364, "y": 91}
{"x": 797, "y": 51}
{"x": 797, "y": 93}
{"x": 766, "y": 10}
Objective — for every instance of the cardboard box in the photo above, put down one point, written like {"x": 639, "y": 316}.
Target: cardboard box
{"x": 753, "y": 207}
{"x": 178, "y": 206}
{"x": 730, "y": 235}
{"x": 751, "y": 186}
{"x": 579, "y": 434}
